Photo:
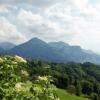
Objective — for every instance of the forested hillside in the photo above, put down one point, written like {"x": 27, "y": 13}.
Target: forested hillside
{"x": 79, "y": 79}
{"x": 22, "y": 79}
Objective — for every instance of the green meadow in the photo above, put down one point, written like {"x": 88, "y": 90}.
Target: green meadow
{"x": 63, "y": 95}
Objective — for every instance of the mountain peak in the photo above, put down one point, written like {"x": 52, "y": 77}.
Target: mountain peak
{"x": 35, "y": 39}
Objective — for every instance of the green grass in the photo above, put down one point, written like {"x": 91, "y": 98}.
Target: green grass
{"x": 63, "y": 95}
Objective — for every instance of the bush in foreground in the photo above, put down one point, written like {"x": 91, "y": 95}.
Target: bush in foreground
{"x": 15, "y": 82}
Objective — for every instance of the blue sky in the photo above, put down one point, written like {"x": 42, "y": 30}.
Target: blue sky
{"x": 73, "y": 21}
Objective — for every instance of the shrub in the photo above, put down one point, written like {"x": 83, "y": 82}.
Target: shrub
{"x": 15, "y": 83}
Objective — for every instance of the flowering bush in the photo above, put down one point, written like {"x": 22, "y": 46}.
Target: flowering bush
{"x": 19, "y": 59}
{"x": 15, "y": 83}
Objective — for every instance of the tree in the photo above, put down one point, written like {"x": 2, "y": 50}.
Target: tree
{"x": 78, "y": 88}
{"x": 87, "y": 87}
{"x": 96, "y": 87}
{"x": 94, "y": 96}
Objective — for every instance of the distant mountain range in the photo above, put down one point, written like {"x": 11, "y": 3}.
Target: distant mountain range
{"x": 54, "y": 51}
{"x": 7, "y": 45}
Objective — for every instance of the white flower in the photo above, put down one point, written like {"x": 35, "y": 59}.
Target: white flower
{"x": 18, "y": 87}
{"x": 13, "y": 62}
{"x": 25, "y": 73}
{"x": 20, "y": 59}
{"x": 43, "y": 78}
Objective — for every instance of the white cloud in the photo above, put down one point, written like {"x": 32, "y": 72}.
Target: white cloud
{"x": 28, "y": 18}
{"x": 9, "y": 32}
{"x": 3, "y": 8}
{"x": 40, "y": 24}
{"x": 73, "y": 21}
{"x": 81, "y": 4}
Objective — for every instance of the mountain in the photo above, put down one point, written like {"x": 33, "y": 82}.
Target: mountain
{"x": 54, "y": 51}
{"x": 7, "y": 45}
{"x": 58, "y": 45}
{"x": 75, "y": 53}
{"x": 1, "y": 50}
{"x": 37, "y": 49}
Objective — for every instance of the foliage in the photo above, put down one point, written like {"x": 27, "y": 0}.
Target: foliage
{"x": 85, "y": 78}
{"x": 16, "y": 84}
{"x": 22, "y": 79}
{"x": 94, "y": 96}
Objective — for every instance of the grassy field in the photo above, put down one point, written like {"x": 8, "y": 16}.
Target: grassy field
{"x": 63, "y": 95}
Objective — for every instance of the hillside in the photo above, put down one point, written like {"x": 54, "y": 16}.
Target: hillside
{"x": 78, "y": 79}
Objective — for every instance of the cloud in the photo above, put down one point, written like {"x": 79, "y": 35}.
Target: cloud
{"x": 39, "y": 3}
{"x": 73, "y": 21}
{"x": 41, "y": 25}
{"x": 9, "y": 32}
{"x": 27, "y": 17}
{"x": 3, "y": 8}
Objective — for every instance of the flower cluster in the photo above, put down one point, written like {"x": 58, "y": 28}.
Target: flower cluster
{"x": 19, "y": 59}
{"x": 19, "y": 87}
{"x": 25, "y": 73}
{"x": 43, "y": 78}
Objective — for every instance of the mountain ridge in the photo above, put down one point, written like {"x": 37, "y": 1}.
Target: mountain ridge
{"x": 35, "y": 49}
{"x": 59, "y": 51}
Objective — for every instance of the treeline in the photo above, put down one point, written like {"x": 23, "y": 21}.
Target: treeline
{"x": 79, "y": 79}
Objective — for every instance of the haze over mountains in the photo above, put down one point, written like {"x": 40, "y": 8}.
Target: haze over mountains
{"x": 53, "y": 51}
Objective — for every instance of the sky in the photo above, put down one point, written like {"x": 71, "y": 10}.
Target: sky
{"x": 76, "y": 22}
